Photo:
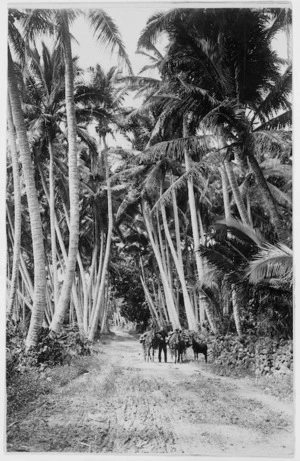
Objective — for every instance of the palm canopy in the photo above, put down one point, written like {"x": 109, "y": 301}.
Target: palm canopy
{"x": 222, "y": 55}
{"x": 36, "y": 22}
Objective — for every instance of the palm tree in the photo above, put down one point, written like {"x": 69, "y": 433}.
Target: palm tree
{"x": 43, "y": 104}
{"x": 105, "y": 30}
{"x": 17, "y": 204}
{"x": 215, "y": 59}
{"x": 39, "y": 300}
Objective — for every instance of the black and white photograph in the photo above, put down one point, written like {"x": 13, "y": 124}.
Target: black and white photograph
{"x": 148, "y": 277}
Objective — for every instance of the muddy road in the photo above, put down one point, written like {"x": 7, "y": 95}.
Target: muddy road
{"x": 120, "y": 404}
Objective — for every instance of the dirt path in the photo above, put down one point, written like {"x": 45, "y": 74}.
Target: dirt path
{"x": 125, "y": 405}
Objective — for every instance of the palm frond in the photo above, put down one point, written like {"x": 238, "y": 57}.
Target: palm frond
{"x": 281, "y": 121}
{"x": 272, "y": 142}
{"x": 243, "y": 231}
{"x": 107, "y": 33}
{"x": 175, "y": 148}
{"x": 157, "y": 54}
{"x": 277, "y": 98}
{"x": 36, "y": 22}
{"x": 281, "y": 197}
{"x": 272, "y": 261}
{"x": 87, "y": 139}
{"x": 156, "y": 25}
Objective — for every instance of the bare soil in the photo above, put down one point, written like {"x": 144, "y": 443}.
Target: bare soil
{"x": 115, "y": 402}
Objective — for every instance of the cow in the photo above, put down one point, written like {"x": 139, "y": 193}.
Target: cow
{"x": 177, "y": 345}
{"x": 154, "y": 340}
{"x": 199, "y": 347}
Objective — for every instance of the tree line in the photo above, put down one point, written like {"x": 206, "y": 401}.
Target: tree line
{"x": 193, "y": 224}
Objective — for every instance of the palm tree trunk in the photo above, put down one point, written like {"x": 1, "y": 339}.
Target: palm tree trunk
{"x": 86, "y": 312}
{"x": 242, "y": 211}
{"x": 95, "y": 318}
{"x": 82, "y": 274}
{"x": 236, "y": 193}
{"x": 52, "y": 222}
{"x": 179, "y": 268}
{"x": 236, "y": 313}
{"x": 177, "y": 227}
{"x": 64, "y": 299}
{"x": 39, "y": 300}
{"x": 267, "y": 197}
{"x": 225, "y": 189}
{"x": 153, "y": 312}
{"x": 17, "y": 203}
{"x": 22, "y": 267}
{"x": 195, "y": 230}
{"x": 168, "y": 293}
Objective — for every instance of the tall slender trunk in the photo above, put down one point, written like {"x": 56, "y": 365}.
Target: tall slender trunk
{"x": 225, "y": 190}
{"x": 245, "y": 218}
{"x": 86, "y": 313}
{"x": 164, "y": 278}
{"x": 236, "y": 193}
{"x": 64, "y": 299}
{"x": 17, "y": 203}
{"x": 82, "y": 275}
{"x": 177, "y": 227}
{"x": 153, "y": 312}
{"x": 39, "y": 299}
{"x": 95, "y": 317}
{"x": 236, "y": 311}
{"x": 266, "y": 196}
{"x": 64, "y": 254}
{"x": 179, "y": 267}
{"x": 195, "y": 230}
{"x": 52, "y": 222}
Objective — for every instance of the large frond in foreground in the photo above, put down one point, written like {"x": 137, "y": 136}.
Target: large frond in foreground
{"x": 272, "y": 262}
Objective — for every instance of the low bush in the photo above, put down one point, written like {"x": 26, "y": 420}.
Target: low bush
{"x": 49, "y": 352}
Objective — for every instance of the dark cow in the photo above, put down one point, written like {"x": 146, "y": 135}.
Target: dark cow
{"x": 154, "y": 340}
{"x": 199, "y": 347}
{"x": 177, "y": 345}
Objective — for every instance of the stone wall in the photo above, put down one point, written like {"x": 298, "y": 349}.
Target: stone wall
{"x": 256, "y": 356}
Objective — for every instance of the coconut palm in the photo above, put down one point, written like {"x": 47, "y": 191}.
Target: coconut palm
{"x": 17, "y": 217}
{"x": 39, "y": 301}
{"x": 105, "y": 31}
{"x": 221, "y": 70}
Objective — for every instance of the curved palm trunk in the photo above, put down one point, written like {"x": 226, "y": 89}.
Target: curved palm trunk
{"x": 236, "y": 193}
{"x": 153, "y": 312}
{"x": 242, "y": 211}
{"x": 173, "y": 315}
{"x": 39, "y": 299}
{"x": 267, "y": 197}
{"x": 227, "y": 212}
{"x": 148, "y": 297}
{"x": 96, "y": 315}
{"x": 17, "y": 202}
{"x": 236, "y": 311}
{"x": 179, "y": 267}
{"x": 52, "y": 223}
{"x": 225, "y": 188}
{"x": 195, "y": 230}
{"x": 64, "y": 299}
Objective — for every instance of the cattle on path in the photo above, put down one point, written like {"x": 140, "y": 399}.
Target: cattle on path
{"x": 177, "y": 345}
{"x": 154, "y": 340}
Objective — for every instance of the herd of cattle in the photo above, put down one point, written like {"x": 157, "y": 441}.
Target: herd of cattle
{"x": 178, "y": 341}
